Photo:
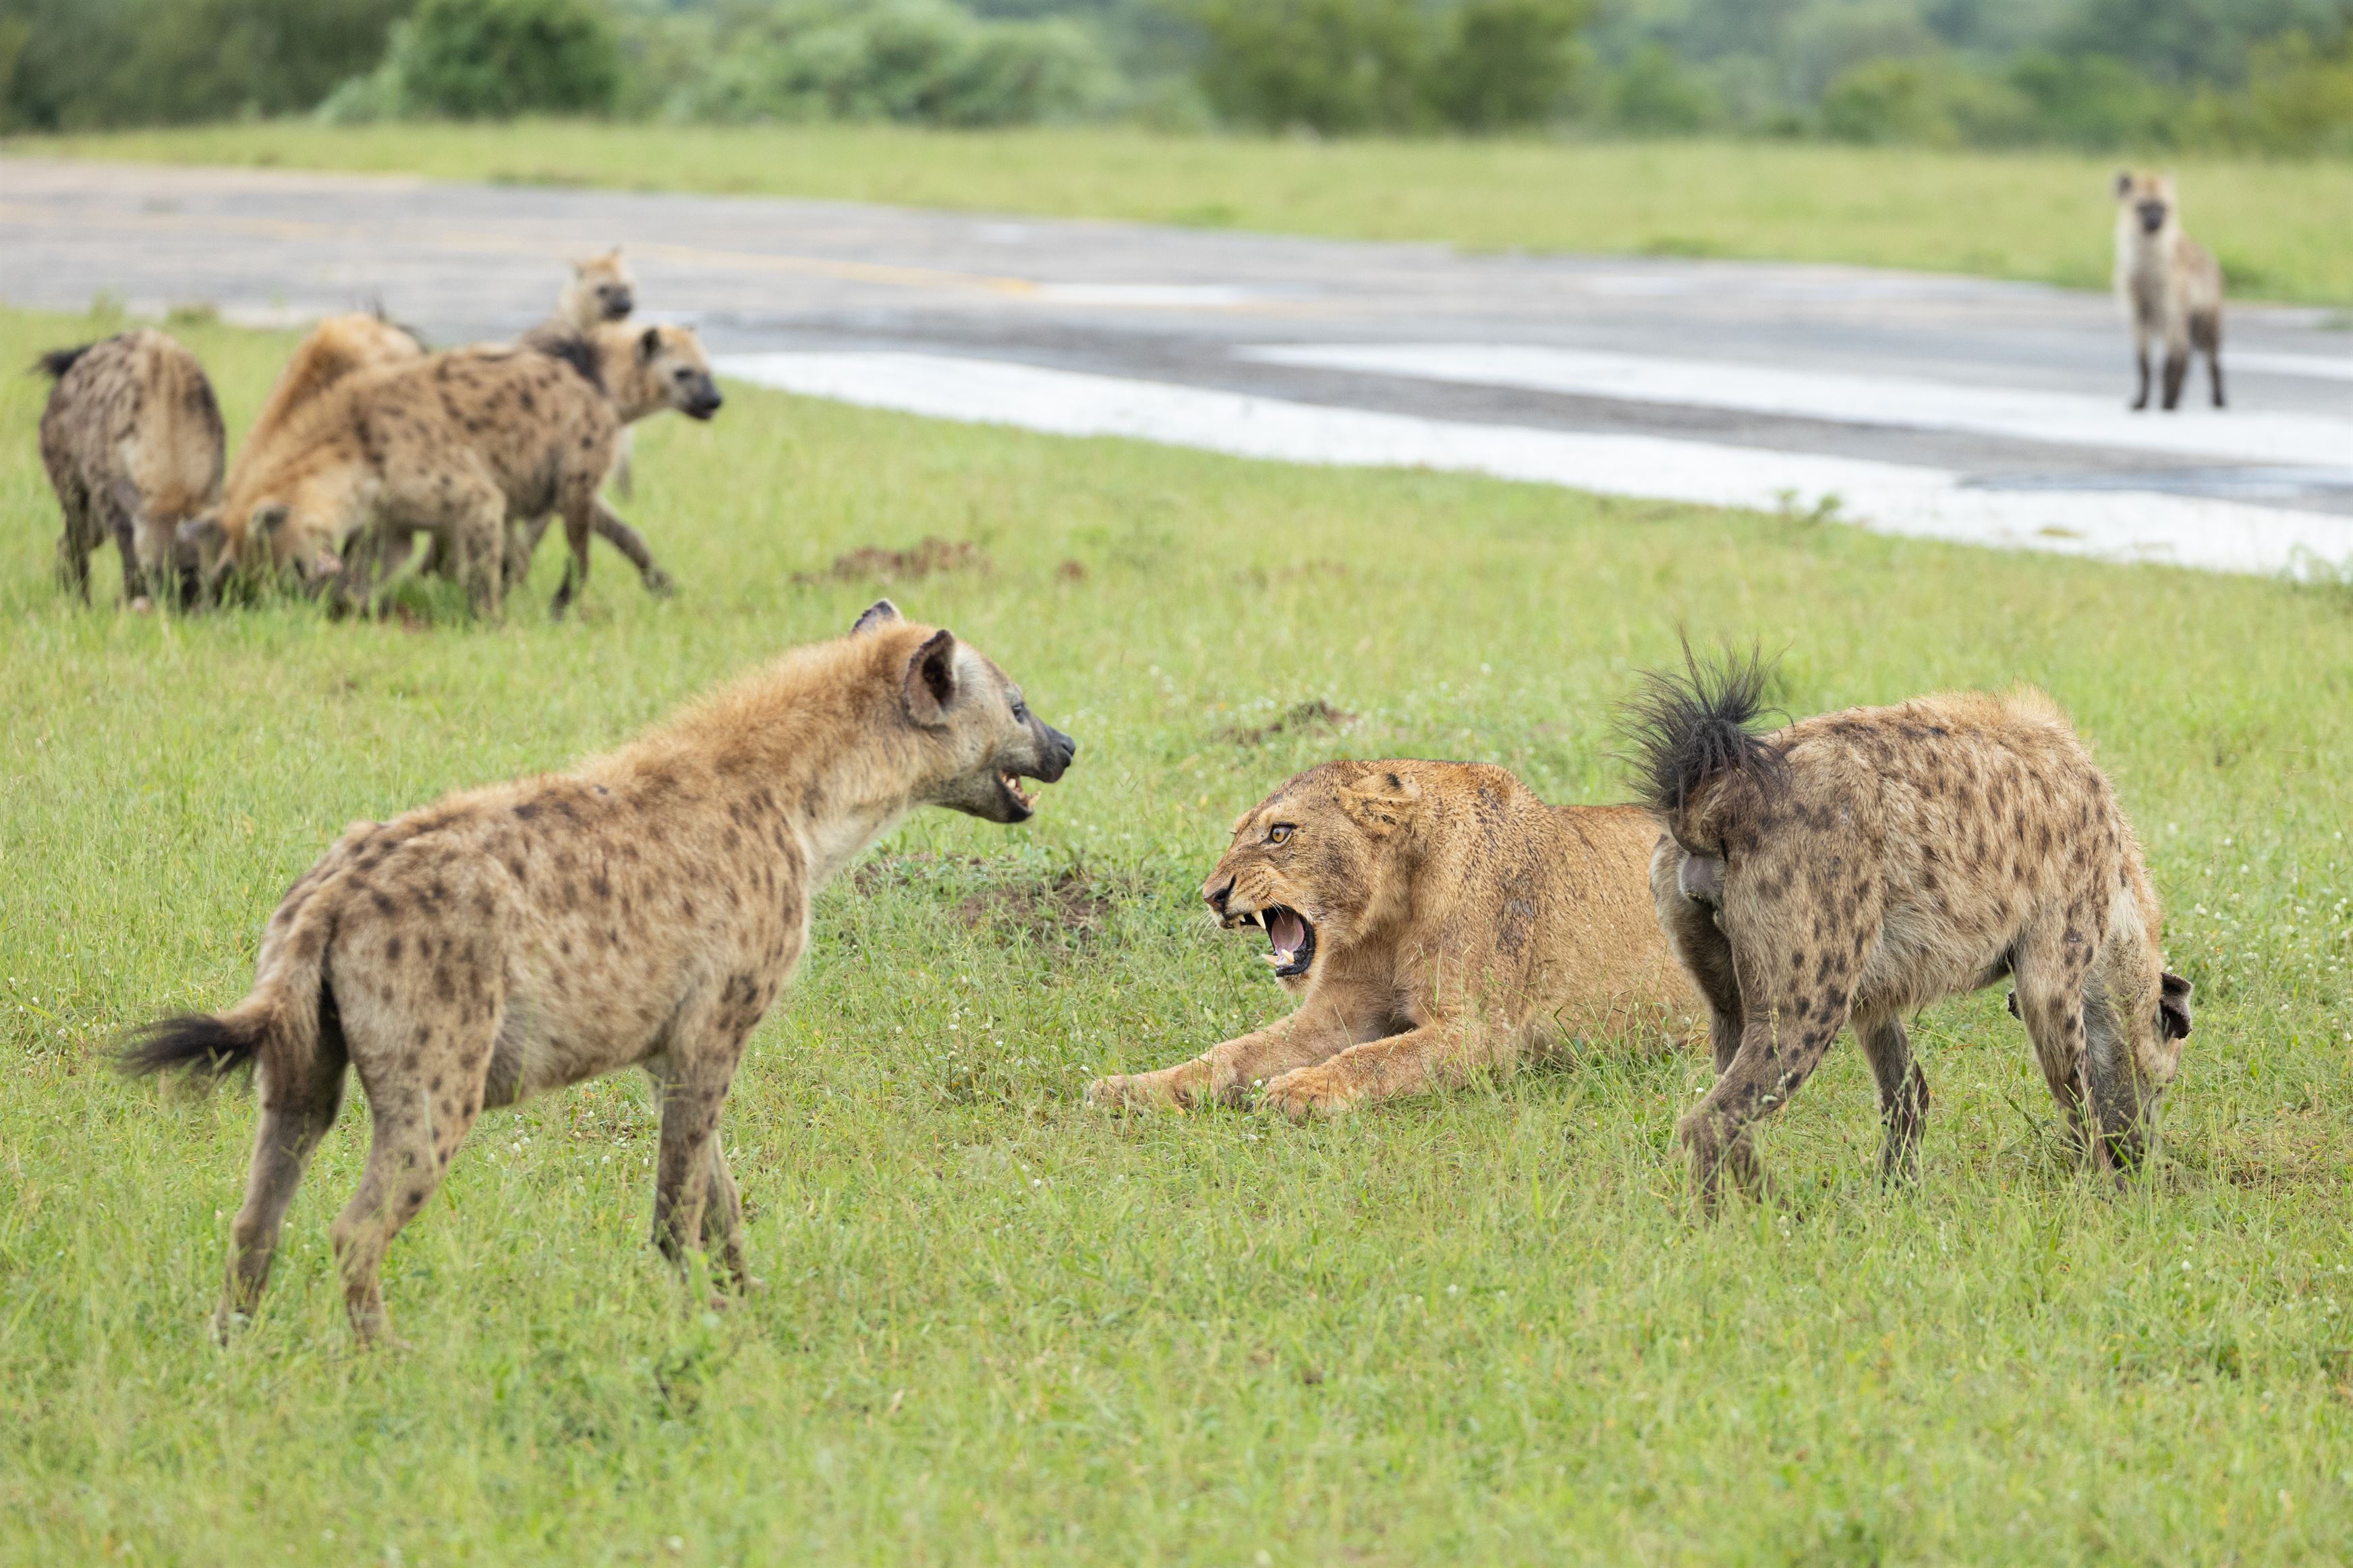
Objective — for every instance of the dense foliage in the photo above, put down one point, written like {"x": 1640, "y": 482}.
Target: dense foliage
{"x": 2263, "y": 76}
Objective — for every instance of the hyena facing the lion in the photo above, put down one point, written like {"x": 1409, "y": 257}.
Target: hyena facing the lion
{"x": 644, "y": 909}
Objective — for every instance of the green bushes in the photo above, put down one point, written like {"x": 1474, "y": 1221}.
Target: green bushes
{"x": 1341, "y": 66}
{"x": 919, "y": 61}
{"x": 74, "y": 64}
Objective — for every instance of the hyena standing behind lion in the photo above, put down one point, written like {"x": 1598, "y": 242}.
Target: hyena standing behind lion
{"x": 1856, "y": 867}
{"x": 643, "y": 910}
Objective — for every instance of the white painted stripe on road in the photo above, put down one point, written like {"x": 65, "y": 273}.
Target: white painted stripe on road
{"x": 2224, "y": 536}
{"x": 2319, "y": 367}
{"x": 2055, "y": 418}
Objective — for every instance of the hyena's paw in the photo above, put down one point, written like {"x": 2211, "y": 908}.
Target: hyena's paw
{"x": 1316, "y": 1093}
{"x": 658, "y": 583}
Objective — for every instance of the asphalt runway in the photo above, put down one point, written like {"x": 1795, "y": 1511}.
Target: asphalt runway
{"x": 1942, "y": 406}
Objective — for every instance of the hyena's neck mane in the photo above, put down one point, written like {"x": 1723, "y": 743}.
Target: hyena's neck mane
{"x": 636, "y": 391}
{"x": 806, "y": 761}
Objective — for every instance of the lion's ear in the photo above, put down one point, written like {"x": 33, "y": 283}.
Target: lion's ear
{"x": 1381, "y": 804}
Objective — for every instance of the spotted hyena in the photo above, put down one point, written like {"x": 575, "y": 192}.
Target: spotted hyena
{"x": 1853, "y": 868}
{"x": 459, "y": 446}
{"x": 133, "y": 441}
{"x": 2169, "y": 286}
{"x": 643, "y": 910}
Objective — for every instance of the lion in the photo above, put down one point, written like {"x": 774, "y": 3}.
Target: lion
{"x": 1434, "y": 919}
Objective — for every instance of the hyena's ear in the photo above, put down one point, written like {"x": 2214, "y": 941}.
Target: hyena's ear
{"x": 928, "y": 689}
{"x": 2173, "y": 1007}
{"x": 2123, "y": 181}
{"x": 650, "y": 343}
{"x": 881, "y": 613}
{"x": 1381, "y": 804}
{"x": 268, "y": 520}
{"x": 205, "y": 532}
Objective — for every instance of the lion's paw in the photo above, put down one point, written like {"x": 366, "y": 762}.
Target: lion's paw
{"x": 1307, "y": 1094}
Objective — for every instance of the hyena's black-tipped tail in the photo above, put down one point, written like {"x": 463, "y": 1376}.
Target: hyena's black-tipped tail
{"x": 276, "y": 1028}
{"x": 199, "y": 1044}
{"x": 57, "y": 361}
{"x": 1686, "y": 731}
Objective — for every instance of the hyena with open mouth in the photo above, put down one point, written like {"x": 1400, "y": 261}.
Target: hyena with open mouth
{"x": 641, "y": 910}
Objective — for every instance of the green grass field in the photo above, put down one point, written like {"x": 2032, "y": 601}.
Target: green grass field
{"x": 1001, "y": 1328}
{"x": 2278, "y": 226}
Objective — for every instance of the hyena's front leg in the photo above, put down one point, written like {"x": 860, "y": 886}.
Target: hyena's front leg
{"x": 691, "y": 1076}
{"x": 2140, "y": 359}
{"x": 1226, "y": 1073}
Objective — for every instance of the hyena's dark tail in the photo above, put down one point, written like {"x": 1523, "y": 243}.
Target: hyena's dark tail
{"x": 275, "y": 1028}
{"x": 1685, "y": 731}
{"x": 57, "y": 361}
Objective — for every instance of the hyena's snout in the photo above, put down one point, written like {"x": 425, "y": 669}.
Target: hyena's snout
{"x": 1055, "y": 751}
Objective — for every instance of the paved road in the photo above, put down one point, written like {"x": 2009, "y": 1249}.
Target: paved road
{"x": 1928, "y": 404}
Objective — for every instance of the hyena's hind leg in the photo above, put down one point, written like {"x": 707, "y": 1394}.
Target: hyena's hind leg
{"x": 2206, "y": 338}
{"x": 294, "y": 1117}
{"x": 1903, "y": 1096}
{"x": 82, "y": 535}
{"x": 423, "y": 1066}
{"x": 1688, "y": 891}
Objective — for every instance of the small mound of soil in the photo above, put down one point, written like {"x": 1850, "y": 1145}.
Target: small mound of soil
{"x": 1313, "y": 714}
{"x": 930, "y": 557}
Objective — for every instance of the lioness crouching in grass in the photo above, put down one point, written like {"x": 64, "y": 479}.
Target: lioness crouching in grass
{"x": 642, "y": 910}
{"x": 1434, "y": 919}
{"x": 1859, "y": 866}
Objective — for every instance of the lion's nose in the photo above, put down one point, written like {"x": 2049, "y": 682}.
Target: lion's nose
{"x": 1216, "y": 890}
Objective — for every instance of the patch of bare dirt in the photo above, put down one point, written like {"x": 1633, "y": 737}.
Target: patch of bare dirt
{"x": 1313, "y": 714}
{"x": 931, "y": 557}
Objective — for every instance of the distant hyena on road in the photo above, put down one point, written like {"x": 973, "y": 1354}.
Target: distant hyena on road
{"x": 2170, "y": 287}
{"x": 134, "y": 444}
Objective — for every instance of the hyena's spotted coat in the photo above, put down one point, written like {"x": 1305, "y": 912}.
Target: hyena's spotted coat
{"x": 133, "y": 441}
{"x": 1856, "y": 867}
{"x": 643, "y": 910}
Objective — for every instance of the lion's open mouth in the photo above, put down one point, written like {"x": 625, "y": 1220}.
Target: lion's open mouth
{"x": 1290, "y": 940}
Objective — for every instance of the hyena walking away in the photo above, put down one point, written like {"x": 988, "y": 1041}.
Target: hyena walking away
{"x": 642, "y": 910}
{"x": 1856, "y": 867}
{"x": 133, "y": 441}
{"x": 2169, "y": 286}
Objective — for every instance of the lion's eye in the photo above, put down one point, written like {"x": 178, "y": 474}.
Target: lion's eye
{"x": 1280, "y": 833}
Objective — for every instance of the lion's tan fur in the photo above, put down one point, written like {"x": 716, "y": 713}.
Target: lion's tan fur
{"x": 133, "y": 441}
{"x": 1461, "y": 923}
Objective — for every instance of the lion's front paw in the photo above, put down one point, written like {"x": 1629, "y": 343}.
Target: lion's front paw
{"x": 1167, "y": 1090}
{"x": 1305, "y": 1093}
